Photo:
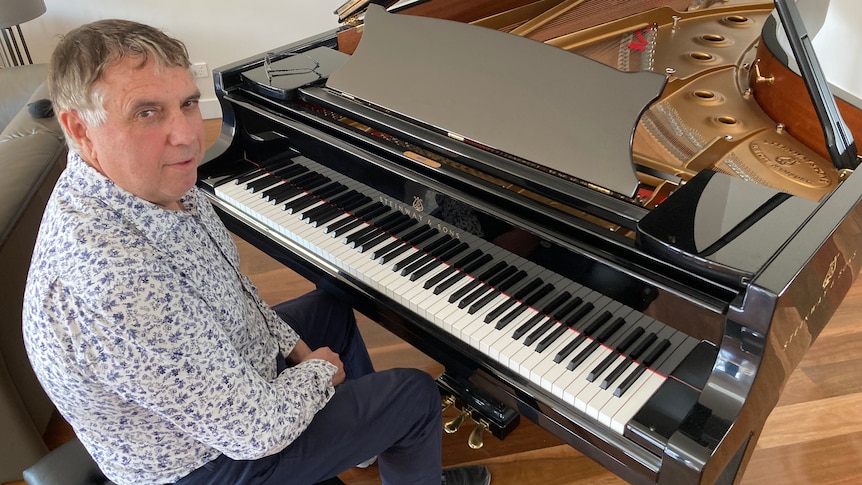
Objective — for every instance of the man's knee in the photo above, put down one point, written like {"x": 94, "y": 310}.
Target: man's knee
{"x": 418, "y": 388}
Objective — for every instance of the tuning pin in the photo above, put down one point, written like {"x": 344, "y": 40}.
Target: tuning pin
{"x": 476, "y": 439}
{"x": 452, "y": 426}
{"x": 448, "y": 401}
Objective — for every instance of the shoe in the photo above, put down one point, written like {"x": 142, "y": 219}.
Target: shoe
{"x": 367, "y": 463}
{"x": 466, "y": 475}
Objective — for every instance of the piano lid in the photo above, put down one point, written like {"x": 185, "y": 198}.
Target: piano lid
{"x": 553, "y": 108}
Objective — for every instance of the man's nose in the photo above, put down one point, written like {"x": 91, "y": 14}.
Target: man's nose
{"x": 183, "y": 128}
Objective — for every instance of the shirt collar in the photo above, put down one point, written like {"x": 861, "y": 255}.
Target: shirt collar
{"x": 150, "y": 218}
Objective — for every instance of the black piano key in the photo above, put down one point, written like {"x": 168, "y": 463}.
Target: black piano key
{"x": 529, "y": 302}
{"x": 380, "y": 228}
{"x": 580, "y": 313}
{"x": 367, "y": 211}
{"x": 337, "y": 224}
{"x": 294, "y": 171}
{"x": 273, "y": 176}
{"x": 654, "y": 354}
{"x": 251, "y": 175}
{"x": 629, "y": 380}
{"x": 355, "y": 205}
{"x": 406, "y": 245}
{"x": 583, "y": 354}
{"x": 528, "y": 325}
{"x": 346, "y": 198}
{"x": 569, "y": 323}
{"x": 643, "y": 345}
{"x": 233, "y": 178}
{"x": 314, "y": 183}
{"x": 343, "y": 228}
{"x": 291, "y": 188}
{"x": 608, "y": 331}
{"x": 282, "y": 158}
{"x": 616, "y": 373}
{"x": 517, "y": 297}
{"x": 553, "y": 321}
{"x": 321, "y": 213}
{"x": 287, "y": 192}
{"x": 397, "y": 244}
{"x": 436, "y": 279}
{"x": 554, "y": 304}
{"x": 396, "y": 232}
{"x": 492, "y": 282}
{"x": 621, "y": 348}
{"x": 569, "y": 348}
{"x": 372, "y": 230}
{"x": 345, "y": 208}
{"x": 330, "y": 193}
{"x": 302, "y": 203}
{"x": 262, "y": 183}
{"x": 551, "y": 338}
{"x": 281, "y": 166}
{"x": 359, "y": 238}
{"x": 466, "y": 289}
{"x": 429, "y": 259}
{"x": 451, "y": 253}
{"x": 318, "y": 195}
{"x": 594, "y": 325}
{"x": 502, "y": 287}
{"x": 567, "y": 308}
{"x": 463, "y": 290}
{"x": 464, "y": 271}
{"x": 426, "y": 247}
{"x": 602, "y": 338}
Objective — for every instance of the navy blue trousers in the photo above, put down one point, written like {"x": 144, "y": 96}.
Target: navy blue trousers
{"x": 394, "y": 415}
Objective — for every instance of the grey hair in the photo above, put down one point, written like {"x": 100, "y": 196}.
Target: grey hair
{"x": 80, "y": 59}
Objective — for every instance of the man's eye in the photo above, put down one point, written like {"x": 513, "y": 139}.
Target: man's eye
{"x": 191, "y": 103}
{"x": 146, "y": 113}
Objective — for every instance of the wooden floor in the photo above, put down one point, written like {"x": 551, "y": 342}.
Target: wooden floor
{"x": 813, "y": 436}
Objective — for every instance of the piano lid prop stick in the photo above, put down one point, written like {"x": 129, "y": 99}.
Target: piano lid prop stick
{"x": 839, "y": 140}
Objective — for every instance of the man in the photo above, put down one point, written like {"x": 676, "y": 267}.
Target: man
{"x": 153, "y": 346}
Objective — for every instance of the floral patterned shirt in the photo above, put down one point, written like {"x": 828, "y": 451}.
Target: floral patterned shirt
{"x": 153, "y": 346}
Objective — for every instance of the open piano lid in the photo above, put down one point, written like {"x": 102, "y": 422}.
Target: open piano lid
{"x": 558, "y": 110}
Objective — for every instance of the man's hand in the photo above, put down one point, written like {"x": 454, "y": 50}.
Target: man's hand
{"x": 324, "y": 353}
{"x": 301, "y": 352}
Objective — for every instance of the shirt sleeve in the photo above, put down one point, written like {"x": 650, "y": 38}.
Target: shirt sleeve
{"x": 171, "y": 356}
{"x": 280, "y": 330}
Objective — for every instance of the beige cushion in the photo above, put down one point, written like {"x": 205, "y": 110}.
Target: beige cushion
{"x": 29, "y": 147}
{"x": 16, "y": 86}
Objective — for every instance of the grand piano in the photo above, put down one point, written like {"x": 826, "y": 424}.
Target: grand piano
{"x": 612, "y": 220}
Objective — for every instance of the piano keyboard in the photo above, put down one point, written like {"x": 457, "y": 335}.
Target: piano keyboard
{"x": 599, "y": 356}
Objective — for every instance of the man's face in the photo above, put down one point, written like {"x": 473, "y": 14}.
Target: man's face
{"x": 153, "y": 138}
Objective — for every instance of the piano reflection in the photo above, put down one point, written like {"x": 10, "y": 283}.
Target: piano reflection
{"x": 594, "y": 214}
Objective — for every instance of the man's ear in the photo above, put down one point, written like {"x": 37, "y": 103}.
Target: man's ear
{"x": 78, "y": 130}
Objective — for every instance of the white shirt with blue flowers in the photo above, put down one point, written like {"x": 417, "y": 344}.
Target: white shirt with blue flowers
{"x": 153, "y": 346}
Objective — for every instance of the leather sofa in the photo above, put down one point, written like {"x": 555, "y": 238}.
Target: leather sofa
{"x": 32, "y": 155}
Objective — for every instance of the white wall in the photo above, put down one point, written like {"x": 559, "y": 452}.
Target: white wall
{"x": 217, "y": 32}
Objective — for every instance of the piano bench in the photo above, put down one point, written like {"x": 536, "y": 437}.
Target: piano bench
{"x": 71, "y": 464}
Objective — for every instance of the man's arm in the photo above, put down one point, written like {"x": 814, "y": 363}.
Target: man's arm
{"x": 301, "y": 352}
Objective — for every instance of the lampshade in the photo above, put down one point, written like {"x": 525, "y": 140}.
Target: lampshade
{"x": 14, "y": 12}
